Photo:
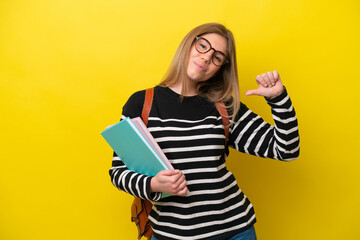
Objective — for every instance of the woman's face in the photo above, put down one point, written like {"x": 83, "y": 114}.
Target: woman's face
{"x": 201, "y": 67}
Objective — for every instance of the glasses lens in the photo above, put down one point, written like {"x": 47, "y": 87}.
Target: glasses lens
{"x": 202, "y": 45}
{"x": 218, "y": 58}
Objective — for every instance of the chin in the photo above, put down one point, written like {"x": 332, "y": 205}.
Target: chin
{"x": 196, "y": 77}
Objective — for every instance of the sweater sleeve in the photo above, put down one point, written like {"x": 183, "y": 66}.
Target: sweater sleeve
{"x": 121, "y": 177}
{"x": 251, "y": 134}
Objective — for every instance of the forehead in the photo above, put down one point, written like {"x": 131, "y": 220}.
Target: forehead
{"x": 217, "y": 41}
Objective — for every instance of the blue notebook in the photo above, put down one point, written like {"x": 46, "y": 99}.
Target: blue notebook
{"x": 133, "y": 149}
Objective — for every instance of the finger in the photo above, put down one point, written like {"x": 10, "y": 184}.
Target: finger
{"x": 182, "y": 186}
{"x": 169, "y": 172}
{"x": 271, "y": 77}
{"x": 178, "y": 186}
{"x": 260, "y": 81}
{"x": 276, "y": 75}
{"x": 178, "y": 179}
{"x": 174, "y": 181}
{"x": 266, "y": 79}
{"x": 183, "y": 192}
{"x": 252, "y": 92}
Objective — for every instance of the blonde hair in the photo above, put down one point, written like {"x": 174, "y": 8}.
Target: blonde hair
{"x": 224, "y": 86}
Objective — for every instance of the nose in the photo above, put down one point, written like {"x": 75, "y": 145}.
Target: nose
{"x": 207, "y": 56}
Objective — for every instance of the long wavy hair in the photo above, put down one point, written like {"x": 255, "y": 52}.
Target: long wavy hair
{"x": 224, "y": 86}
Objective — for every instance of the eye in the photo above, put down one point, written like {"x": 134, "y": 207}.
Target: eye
{"x": 203, "y": 46}
{"x": 218, "y": 58}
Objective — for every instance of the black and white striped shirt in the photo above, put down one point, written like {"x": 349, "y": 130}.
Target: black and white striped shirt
{"x": 191, "y": 134}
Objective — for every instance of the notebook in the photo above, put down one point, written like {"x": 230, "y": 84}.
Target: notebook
{"x": 135, "y": 146}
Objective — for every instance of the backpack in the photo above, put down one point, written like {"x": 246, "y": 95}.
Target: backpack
{"x": 140, "y": 208}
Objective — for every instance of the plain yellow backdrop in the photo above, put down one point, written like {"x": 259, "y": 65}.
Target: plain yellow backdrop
{"x": 67, "y": 67}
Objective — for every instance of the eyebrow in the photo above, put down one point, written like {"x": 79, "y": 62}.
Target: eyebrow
{"x": 212, "y": 46}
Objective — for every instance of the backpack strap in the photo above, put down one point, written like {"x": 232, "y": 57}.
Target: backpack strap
{"x": 141, "y": 208}
{"x": 149, "y": 95}
{"x": 224, "y": 116}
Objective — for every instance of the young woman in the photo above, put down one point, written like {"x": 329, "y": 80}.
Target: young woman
{"x": 206, "y": 202}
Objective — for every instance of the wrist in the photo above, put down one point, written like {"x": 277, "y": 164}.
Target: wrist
{"x": 153, "y": 185}
{"x": 279, "y": 95}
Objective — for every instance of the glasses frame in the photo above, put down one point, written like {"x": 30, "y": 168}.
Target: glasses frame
{"x": 197, "y": 38}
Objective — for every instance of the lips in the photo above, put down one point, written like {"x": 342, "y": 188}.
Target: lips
{"x": 199, "y": 66}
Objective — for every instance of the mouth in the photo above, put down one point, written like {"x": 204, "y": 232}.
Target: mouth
{"x": 199, "y": 66}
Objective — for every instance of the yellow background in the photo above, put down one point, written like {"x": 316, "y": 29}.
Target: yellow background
{"x": 67, "y": 67}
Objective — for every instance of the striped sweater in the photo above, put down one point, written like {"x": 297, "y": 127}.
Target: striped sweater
{"x": 191, "y": 134}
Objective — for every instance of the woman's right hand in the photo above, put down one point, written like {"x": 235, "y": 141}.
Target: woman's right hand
{"x": 169, "y": 181}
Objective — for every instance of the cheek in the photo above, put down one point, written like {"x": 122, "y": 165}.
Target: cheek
{"x": 193, "y": 53}
{"x": 213, "y": 71}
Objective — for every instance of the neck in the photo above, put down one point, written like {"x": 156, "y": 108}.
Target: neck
{"x": 191, "y": 88}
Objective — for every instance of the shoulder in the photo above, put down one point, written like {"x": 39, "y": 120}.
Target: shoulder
{"x": 136, "y": 97}
{"x": 243, "y": 108}
{"x": 134, "y": 104}
{"x": 241, "y": 111}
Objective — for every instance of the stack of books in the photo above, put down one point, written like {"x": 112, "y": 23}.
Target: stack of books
{"x": 136, "y": 147}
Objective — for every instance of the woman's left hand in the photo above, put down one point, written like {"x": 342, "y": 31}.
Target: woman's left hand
{"x": 270, "y": 85}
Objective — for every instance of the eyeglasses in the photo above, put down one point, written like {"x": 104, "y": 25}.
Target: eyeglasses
{"x": 202, "y": 45}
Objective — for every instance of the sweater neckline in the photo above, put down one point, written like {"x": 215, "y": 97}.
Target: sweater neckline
{"x": 174, "y": 94}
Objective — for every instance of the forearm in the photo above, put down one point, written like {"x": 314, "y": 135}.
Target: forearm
{"x": 286, "y": 132}
{"x": 251, "y": 134}
{"x": 138, "y": 185}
